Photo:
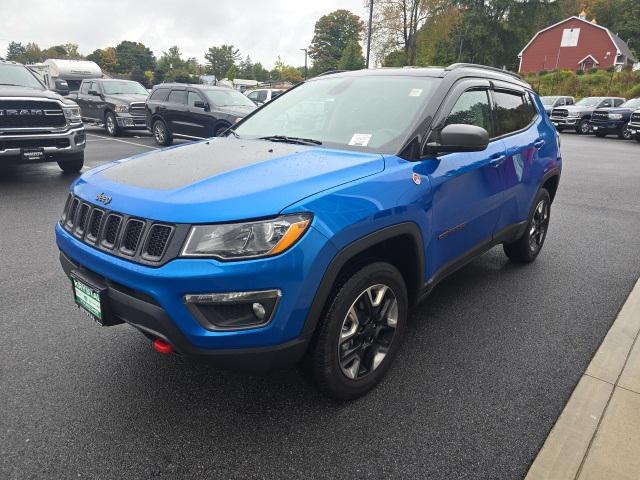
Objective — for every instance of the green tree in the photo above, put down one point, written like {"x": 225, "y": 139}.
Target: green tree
{"x": 171, "y": 59}
{"x": 332, "y": 33}
{"x": 245, "y": 69}
{"x": 352, "y": 58}
{"x": 133, "y": 55}
{"x": 221, "y": 59}
{"x": 232, "y": 73}
{"x": 260, "y": 73}
{"x": 15, "y": 52}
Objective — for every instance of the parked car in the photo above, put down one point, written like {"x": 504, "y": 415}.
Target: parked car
{"x": 261, "y": 96}
{"x": 304, "y": 235}
{"x": 117, "y": 104}
{"x": 193, "y": 111}
{"x": 605, "y": 121}
{"x": 36, "y": 124}
{"x": 578, "y": 116}
{"x": 551, "y": 102}
{"x": 634, "y": 125}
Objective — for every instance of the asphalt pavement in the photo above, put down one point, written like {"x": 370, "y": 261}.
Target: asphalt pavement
{"x": 489, "y": 361}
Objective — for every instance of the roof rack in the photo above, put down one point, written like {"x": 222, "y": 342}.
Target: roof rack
{"x": 483, "y": 67}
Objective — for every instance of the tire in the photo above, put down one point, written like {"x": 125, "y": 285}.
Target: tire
{"x": 219, "y": 130}
{"x": 625, "y": 133}
{"x": 347, "y": 325}
{"x": 526, "y": 248}
{"x": 583, "y": 128}
{"x": 600, "y": 134}
{"x": 161, "y": 133}
{"x": 111, "y": 125}
{"x": 73, "y": 164}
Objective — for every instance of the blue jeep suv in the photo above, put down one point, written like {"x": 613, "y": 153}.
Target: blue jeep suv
{"x": 308, "y": 230}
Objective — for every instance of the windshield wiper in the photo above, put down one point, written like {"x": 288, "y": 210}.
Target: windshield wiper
{"x": 294, "y": 140}
{"x": 16, "y": 85}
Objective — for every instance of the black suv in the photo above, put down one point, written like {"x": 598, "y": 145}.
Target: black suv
{"x": 118, "y": 104}
{"x": 36, "y": 124}
{"x": 193, "y": 111}
{"x": 614, "y": 120}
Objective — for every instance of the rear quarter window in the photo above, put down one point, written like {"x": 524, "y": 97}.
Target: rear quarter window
{"x": 514, "y": 111}
{"x": 159, "y": 94}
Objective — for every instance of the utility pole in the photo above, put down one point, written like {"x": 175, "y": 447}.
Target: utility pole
{"x": 305, "y": 62}
{"x": 369, "y": 35}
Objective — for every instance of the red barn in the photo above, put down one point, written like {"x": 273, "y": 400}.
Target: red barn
{"x": 575, "y": 44}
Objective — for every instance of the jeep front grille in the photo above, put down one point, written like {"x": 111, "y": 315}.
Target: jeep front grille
{"x": 136, "y": 239}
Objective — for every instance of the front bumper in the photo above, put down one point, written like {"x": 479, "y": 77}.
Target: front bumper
{"x": 607, "y": 127}
{"x": 565, "y": 121}
{"x": 126, "y": 120}
{"x": 54, "y": 144}
{"x": 152, "y": 298}
{"x": 635, "y": 130}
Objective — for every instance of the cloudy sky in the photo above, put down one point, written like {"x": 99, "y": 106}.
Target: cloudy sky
{"x": 261, "y": 29}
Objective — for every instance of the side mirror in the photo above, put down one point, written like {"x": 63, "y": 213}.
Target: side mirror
{"x": 201, "y": 104}
{"x": 458, "y": 137}
{"x": 61, "y": 87}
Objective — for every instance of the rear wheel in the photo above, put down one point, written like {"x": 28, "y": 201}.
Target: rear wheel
{"x": 111, "y": 125}
{"x": 583, "y": 128}
{"x": 528, "y": 246}
{"x": 72, "y": 164}
{"x": 625, "y": 133}
{"x": 219, "y": 130}
{"x": 360, "y": 333}
{"x": 161, "y": 133}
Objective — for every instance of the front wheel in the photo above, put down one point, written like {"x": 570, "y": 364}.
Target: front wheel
{"x": 528, "y": 246}
{"x": 111, "y": 125}
{"x": 220, "y": 130}
{"x": 72, "y": 165}
{"x": 360, "y": 333}
{"x": 161, "y": 133}
{"x": 625, "y": 133}
{"x": 584, "y": 127}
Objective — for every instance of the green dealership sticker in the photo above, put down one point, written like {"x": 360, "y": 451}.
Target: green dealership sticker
{"x": 88, "y": 298}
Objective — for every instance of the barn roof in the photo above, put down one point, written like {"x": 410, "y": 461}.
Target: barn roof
{"x": 620, "y": 44}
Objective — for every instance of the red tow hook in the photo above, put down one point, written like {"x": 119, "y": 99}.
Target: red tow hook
{"x": 162, "y": 347}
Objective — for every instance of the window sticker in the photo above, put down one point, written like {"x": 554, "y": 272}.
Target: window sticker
{"x": 415, "y": 92}
{"x": 360, "y": 139}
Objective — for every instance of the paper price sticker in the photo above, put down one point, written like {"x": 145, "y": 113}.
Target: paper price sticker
{"x": 415, "y": 92}
{"x": 360, "y": 139}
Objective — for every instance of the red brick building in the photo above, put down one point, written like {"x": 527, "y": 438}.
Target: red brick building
{"x": 573, "y": 44}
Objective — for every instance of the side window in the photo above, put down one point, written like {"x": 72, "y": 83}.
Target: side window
{"x": 561, "y": 102}
{"x": 514, "y": 111}
{"x": 617, "y": 102}
{"x": 605, "y": 103}
{"x": 192, "y": 98}
{"x": 472, "y": 108}
{"x": 253, "y": 95}
{"x": 84, "y": 89}
{"x": 262, "y": 95}
{"x": 569, "y": 101}
{"x": 159, "y": 95}
{"x": 93, "y": 86}
{"x": 178, "y": 96}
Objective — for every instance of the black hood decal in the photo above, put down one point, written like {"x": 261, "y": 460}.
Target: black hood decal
{"x": 177, "y": 167}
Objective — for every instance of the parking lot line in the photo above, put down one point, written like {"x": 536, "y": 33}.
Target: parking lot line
{"x": 122, "y": 141}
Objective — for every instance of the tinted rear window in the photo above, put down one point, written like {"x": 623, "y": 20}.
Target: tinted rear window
{"x": 160, "y": 94}
{"x": 514, "y": 111}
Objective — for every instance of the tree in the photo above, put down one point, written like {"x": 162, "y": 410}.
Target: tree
{"x": 232, "y": 73}
{"x": 260, "y": 73}
{"x": 132, "y": 55}
{"x": 106, "y": 58}
{"x": 15, "y": 52}
{"x": 352, "y": 58}
{"x": 245, "y": 69}
{"x": 56, "y": 51}
{"x": 221, "y": 59}
{"x": 332, "y": 33}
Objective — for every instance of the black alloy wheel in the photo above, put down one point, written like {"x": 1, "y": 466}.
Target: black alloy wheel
{"x": 526, "y": 248}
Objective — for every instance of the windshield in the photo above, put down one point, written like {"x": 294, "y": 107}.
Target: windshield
{"x": 633, "y": 103}
{"x": 589, "y": 101}
{"x": 123, "y": 87}
{"x": 371, "y": 112}
{"x": 19, "y": 76}
{"x": 228, "y": 98}
{"x": 548, "y": 100}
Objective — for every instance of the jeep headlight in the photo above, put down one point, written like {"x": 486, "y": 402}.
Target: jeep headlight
{"x": 235, "y": 241}
{"x": 122, "y": 108}
{"x": 72, "y": 114}
{"x": 615, "y": 116}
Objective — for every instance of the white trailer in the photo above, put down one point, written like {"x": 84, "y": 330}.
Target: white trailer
{"x": 52, "y": 72}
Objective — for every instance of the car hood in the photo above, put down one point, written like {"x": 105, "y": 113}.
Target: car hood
{"x": 575, "y": 108}
{"x": 616, "y": 110}
{"x": 238, "y": 111}
{"x": 222, "y": 179}
{"x": 127, "y": 97}
{"x": 10, "y": 91}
